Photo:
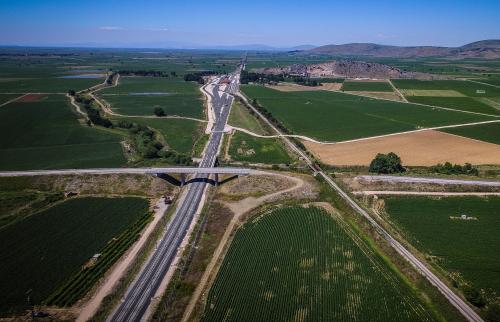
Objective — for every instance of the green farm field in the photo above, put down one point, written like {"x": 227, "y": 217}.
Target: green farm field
{"x": 241, "y": 117}
{"x": 332, "y": 116}
{"x": 469, "y": 247}
{"x": 248, "y": 148}
{"x": 465, "y": 87}
{"x": 42, "y": 251}
{"x": 484, "y": 132}
{"x": 179, "y": 134}
{"x": 47, "y": 135}
{"x": 140, "y": 95}
{"x": 459, "y": 103}
{"x": 300, "y": 264}
{"x": 46, "y": 84}
{"x": 366, "y": 86}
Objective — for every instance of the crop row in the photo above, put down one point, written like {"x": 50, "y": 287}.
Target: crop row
{"x": 301, "y": 264}
{"x": 79, "y": 284}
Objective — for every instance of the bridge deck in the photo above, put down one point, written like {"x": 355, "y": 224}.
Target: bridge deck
{"x": 173, "y": 170}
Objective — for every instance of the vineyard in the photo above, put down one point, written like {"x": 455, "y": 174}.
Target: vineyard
{"x": 302, "y": 264}
{"x": 43, "y": 251}
{"x": 82, "y": 281}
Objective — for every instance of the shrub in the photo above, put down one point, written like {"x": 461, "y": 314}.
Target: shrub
{"x": 159, "y": 111}
{"x": 448, "y": 168}
{"x": 386, "y": 163}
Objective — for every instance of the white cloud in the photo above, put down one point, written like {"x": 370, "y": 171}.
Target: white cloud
{"x": 108, "y": 28}
{"x": 156, "y": 29}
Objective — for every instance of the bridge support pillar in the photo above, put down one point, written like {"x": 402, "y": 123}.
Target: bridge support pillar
{"x": 216, "y": 177}
{"x": 183, "y": 179}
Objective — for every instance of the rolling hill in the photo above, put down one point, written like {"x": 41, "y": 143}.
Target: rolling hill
{"x": 489, "y": 49}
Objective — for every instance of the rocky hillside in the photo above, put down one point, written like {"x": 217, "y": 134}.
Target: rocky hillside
{"x": 346, "y": 68}
{"x": 489, "y": 49}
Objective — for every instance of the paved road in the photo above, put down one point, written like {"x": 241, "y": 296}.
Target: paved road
{"x": 430, "y": 180}
{"x": 184, "y": 170}
{"x": 138, "y": 297}
{"x": 454, "y": 299}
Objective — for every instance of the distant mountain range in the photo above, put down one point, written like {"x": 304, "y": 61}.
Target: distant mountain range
{"x": 260, "y": 47}
{"x": 489, "y": 49}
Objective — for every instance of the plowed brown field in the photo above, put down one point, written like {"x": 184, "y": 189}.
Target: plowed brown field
{"x": 419, "y": 148}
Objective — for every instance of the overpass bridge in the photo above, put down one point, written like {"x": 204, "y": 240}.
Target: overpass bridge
{"x": 156, "y": 171}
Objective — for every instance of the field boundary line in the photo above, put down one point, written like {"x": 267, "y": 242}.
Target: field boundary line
{"x": 420, "y": 104}
{"x": 422, "y": 193}
{"x": 474, "y": 81}
{"x": 397, "y": 91}
{"x": 14, "y": 99}
{"x": 306, "y": 138}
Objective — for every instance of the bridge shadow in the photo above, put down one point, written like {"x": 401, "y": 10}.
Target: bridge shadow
{"x": 178, "y": 183}
{"x": 169, "y": 179}
{"x": 228, "y": 179}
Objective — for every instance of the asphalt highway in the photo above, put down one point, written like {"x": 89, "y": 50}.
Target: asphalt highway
{"x": 138, "y": 297}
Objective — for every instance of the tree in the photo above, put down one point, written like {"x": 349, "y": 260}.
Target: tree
{"x": 159, "y": 111}
{"x": 474, "y": 296}
{"x": 71, "y": 92}
{"x": 386, "y": 163}
{"x": 173, "y": 73}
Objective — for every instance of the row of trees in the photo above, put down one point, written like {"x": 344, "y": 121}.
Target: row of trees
{"x": 93, "y": 113}
{"x": 198, "y": 76}
{"x": 306, "y": 81}
{"x": 247, "y": 77}
{"x": 391, "y": 163}
{"x": 151, "y": 73}
{"x": 448, "y": 168}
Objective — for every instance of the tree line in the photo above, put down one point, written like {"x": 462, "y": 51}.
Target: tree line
{"x": 150, "y": 73}
{"x": 198, "y": 76}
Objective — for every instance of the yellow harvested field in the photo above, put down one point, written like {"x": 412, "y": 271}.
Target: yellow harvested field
{"x": 423, "y": 148}
{"x": 290, "y": 87}
{"x": 431, "y": 92}
{"x": 384, "y": 95}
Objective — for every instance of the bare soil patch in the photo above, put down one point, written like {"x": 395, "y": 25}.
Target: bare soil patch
{"x": 31, "y": 98}
{"x": 358, "y": 183}
{"x": 254, "y": 186}
{"x": 416, "y": 149}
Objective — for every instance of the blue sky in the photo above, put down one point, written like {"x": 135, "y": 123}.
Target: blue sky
{"x": 276, "y": 23}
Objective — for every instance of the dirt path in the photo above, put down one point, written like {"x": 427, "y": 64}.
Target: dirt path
{"x": 306, "y": 138}
{"x": 423, "y": 193}
{"x": 470, "y": 80}
{"x": 397, "y": 91}
{"x": 239, "y": 209}
{"x": 76, "y": 106}
{"x": 14, "y": 99}
{"x": 88, "y": 309}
